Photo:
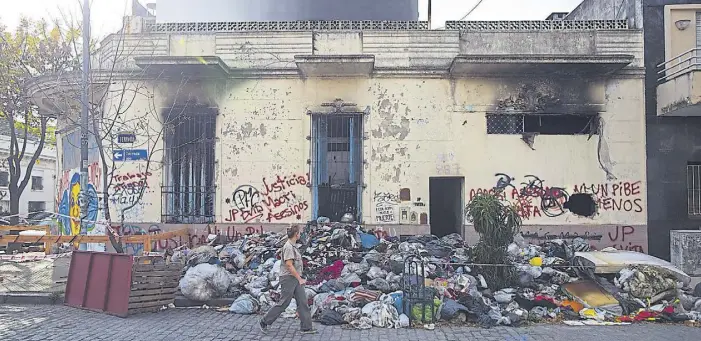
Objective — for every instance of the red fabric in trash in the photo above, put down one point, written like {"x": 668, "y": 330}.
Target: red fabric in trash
{"x": 330, "y": 272}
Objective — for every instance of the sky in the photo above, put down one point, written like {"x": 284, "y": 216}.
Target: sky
{"x": 107, "y": 14}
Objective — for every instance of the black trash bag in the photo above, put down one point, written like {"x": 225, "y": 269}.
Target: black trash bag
{"x": 330, "y": 317}
{"x": 436, "y": 249}
{"x": 451, "y": 309}
{"x": 333, "y": 285}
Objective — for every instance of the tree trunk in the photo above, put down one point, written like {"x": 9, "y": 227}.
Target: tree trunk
{"x": 14, "y": 219}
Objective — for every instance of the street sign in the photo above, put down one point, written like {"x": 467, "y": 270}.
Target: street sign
{"x": 130, "y": 155}
{"x": 126, "y": 137}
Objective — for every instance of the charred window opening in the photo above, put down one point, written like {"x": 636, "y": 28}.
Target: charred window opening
{"x": 542, "y": 124}
{"x": 337, "y": 164}
{"x": 189, "y": 189}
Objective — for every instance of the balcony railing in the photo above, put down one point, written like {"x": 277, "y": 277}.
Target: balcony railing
{"x": 679, "y": 65}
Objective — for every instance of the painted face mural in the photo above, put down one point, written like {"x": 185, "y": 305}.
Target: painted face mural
{"x": 69, "y": 207}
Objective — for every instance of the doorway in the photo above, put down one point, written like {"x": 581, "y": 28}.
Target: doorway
{"x": 445, "y": 205}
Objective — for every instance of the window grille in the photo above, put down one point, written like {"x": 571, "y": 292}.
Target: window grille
{"x": 189, "y": 188}
{"x": 337, "y": 164}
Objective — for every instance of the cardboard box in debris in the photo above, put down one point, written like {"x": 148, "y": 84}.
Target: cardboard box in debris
{"x": 356, "y": 279}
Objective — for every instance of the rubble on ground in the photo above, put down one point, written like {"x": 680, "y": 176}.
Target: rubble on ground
{"x": 360, "y": 281}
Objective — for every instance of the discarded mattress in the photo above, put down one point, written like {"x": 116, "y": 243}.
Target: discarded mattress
{"x": 610, "y": 262}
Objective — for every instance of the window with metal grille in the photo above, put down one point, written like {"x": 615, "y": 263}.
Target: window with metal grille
{"x": 36, "y": 206}
{"x": 189, "y": 190}
{"x": 337, "y": 164}
{"x": 4, "y": 179}
{"x": 693, "y": 188}
{"x": 544, "y": 124}
{"x": 37, "y": 183}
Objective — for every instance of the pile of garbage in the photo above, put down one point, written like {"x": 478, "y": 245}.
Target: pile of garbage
{"x": 358, "y": 280}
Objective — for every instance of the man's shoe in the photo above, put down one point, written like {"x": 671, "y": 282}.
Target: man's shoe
{"x": 309, "y": 331}
{"x": 263, "y": 327}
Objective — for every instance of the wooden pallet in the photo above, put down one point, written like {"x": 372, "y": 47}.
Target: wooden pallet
{"x": 153, "y": 285}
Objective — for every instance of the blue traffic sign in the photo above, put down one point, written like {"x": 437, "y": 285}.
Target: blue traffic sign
{"x": 130, "y": 155}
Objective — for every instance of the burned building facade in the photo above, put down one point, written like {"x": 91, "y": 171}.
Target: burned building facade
{"x": 249, "y": 126}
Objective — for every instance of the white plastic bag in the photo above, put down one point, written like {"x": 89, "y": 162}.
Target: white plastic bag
{"x": 245, "y": 305}
{"x": 205, "y": 282}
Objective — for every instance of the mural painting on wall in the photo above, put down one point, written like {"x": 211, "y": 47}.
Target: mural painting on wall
{"x": 533, "y": 199}
{"x": 399, "y": 209}
{"x": 279, "y": 200}
{"x": 69, "y": 208}
{"x": 127, "y": 195}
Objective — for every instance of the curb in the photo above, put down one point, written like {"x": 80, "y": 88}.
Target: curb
{"x": 182, "y": 302}
{"x": 30, "y": 298}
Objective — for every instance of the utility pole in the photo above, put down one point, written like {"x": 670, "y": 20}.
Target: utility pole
{"x": 429, "y": 14}
{"x": 83, "y": 197}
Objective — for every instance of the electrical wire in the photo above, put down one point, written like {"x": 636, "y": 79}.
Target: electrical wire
{"x": 468, "y": 13}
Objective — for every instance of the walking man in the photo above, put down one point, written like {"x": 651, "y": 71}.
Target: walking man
{"x": 292, "y": 285}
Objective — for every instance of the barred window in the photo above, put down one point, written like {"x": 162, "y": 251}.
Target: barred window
{"x": 693, "y": 188}
{"x": 544, "y": 124}
{"x": 189, "y": 189}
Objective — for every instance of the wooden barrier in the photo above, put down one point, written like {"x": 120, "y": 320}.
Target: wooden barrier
{"x": 48, "y": 240}
{"x": 153, "y": 285}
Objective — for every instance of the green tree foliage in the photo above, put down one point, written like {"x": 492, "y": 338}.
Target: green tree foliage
{"x": 497, "y": 224}
{"x": 33, "y": 49}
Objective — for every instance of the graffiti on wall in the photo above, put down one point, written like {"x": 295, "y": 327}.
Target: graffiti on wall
{"x": 127, "y": 192}
{"x": 621, "y": 237}
{"x": 70, "y": 198}
{"x": 279, "y": 200}
{"x": 385, "y": 207}
{"x": 532, "y": 198}
{"x": 391, "y": 208}
{"x": 447, "y": 165}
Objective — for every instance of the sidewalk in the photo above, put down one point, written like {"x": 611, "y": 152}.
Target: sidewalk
{"x": 27, "y": 323}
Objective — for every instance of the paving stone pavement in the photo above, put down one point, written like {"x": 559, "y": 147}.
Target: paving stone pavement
{"x": 29, "y": 323}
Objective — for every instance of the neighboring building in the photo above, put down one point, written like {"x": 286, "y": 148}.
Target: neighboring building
{"x": 223, "y": 11}
{"x": 271, "y": 123}
{"x": 673, "y": 115}
{"x": 39, "y": 195}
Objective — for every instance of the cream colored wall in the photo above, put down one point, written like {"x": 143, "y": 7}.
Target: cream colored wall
{"x": 416, "y": 129}
{"x": 678, "y": 41}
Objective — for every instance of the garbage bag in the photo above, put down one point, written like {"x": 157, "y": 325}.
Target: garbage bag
{"x": 373, "y": 257}
{"x": 351, "y": 278}
{"x": 205, "y": 282}
{"x": 438, "y": 250}
{"x": 331, "y": 318}
{"x": 350, "y": 314}
{"x": 556, "y": 277}
{"x": 454, "y": 240}
{"x": 451, "y": 308}
{"x": 382, "y": 314}
{"x": 318, "y": 303}
{"x": 538, "y": 313}
{"x": 376, "y": 272}
{"x": 379, "y": 284}
{"x": 368, "y": 241}
{"x": 245, "y": 305}
{"x": 404, "y": 321}
{"x": 200, "y": 255}
{"x": 503, "y": 297}
{"x": 363, "y": 323}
